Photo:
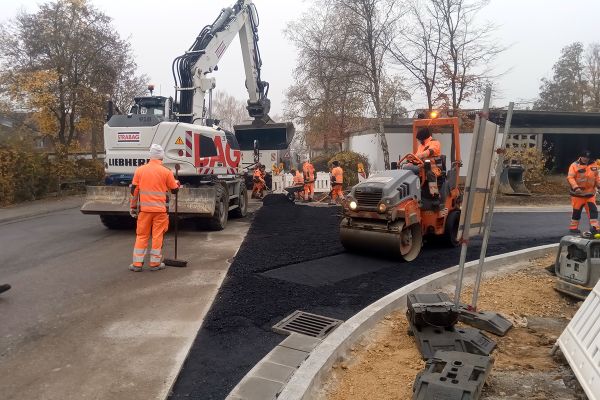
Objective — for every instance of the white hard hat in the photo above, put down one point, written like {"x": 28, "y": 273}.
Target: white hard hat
{"x": 156, "y": 152}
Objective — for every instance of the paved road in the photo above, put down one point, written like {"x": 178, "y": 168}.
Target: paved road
{"x": 78, "y": 325}
{"x": 292, "y": 259}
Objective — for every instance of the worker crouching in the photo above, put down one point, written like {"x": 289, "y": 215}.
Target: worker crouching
{"x": 149, "y": 204}
{"x": 259, "y": 184}
{"x": 584, "y": 179}
{"x": 337, "y": 183}
{"x": 298, "y": 180}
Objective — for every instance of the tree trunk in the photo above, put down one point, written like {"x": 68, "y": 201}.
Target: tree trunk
{"x": 93, "y": 144}
{"x": 383, "y": 141}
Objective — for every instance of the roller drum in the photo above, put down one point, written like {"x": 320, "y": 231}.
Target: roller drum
{"x": 405, "y": 243}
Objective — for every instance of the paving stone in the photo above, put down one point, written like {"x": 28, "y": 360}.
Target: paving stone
{"x": 300, "y": 342}
{"x": 255, "y": 388}
{"x": 273, "y": 372}
{"x": 290, "y": 357}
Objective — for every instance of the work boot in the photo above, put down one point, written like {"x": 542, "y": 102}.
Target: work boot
{"x": 4, "y": 288}
{"x": 158, "y": 267}
{"x": 135, "y": 268}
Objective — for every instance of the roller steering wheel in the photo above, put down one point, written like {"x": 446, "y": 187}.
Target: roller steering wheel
{"x": 412, "y": 158}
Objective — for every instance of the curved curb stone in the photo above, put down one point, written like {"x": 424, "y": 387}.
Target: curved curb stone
{"x": 308, "y": 378}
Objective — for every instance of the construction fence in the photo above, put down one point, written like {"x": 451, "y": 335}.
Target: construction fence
{"x": 322, "y": 183}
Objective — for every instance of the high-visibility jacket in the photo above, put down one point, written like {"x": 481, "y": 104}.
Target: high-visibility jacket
{"x": 338, "y": 175}
{"x": 309, "y": 172}
{"x": 585, "y": 177}
{"x": 152, "y": 181}
{"x": 258, "y": 176}
{"x": 434, "y": 147}
{"x": 298, "y": 178}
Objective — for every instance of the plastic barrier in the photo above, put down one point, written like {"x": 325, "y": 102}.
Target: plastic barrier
{"x": 580, "y": 343}
{"x": 322, "y": 183}
{"x": 278, "y": 183}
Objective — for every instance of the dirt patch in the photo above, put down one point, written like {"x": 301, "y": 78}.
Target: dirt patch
{"x": 385, "y": 365}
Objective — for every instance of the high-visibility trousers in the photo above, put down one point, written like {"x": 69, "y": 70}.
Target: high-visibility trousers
{"x": 150, "y": 223}
{"x": 258, "y": 188}
{"x": 309, "y": 190}
{"x": 589, "y": 203}
{"x": 336, "y": 192}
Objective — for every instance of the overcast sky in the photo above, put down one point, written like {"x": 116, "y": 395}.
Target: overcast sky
{"x": 159, "y": 31}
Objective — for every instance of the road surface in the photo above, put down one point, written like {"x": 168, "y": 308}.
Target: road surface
{"x": 77, "y": 324}
{"x": 291, "y": 260}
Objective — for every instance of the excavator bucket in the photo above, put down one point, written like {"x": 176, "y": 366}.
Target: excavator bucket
{"x": 270, "y": 136}
{"x": 511, "y": 181}
{"x": 115, "y": 200}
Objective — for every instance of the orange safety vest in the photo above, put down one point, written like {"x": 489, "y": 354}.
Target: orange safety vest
{"x": 298, "y": 178}
{"x": 152, "y": 181}
{"x": 338, "y": 175}
{"x": 584, "y": 177}
{"x": 258, "y": 176}
{"x": 434, "y": 147}
{"x": 309, "y": 172}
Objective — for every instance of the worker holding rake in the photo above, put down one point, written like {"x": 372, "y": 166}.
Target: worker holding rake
{"x": 149, "y": 204}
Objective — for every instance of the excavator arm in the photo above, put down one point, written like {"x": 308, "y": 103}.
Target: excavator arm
{"x": 191, "y": 71}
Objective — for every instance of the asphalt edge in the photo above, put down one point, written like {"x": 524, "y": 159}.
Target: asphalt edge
{"x": 165, "y": 395}
{"x": 37, "y": 213}
{"x": 307, "y": 380}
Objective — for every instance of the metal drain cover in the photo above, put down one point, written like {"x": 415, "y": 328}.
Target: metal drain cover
{"x": 306, "y": 324}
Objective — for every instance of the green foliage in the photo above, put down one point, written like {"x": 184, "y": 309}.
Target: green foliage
{"x": 567, "y": 90}
{"x": 61, "y": 63}
{"x": 28, "y": 175}
{"x": 533, "y": 160}
{"x": 321, "y": 162}
{"x": 349, "y": 162}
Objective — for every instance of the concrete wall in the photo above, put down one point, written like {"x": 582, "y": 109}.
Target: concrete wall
{"x": 401, "y": 144}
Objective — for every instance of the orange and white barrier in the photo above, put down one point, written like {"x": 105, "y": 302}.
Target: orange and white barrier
{"x": 281, "y": 181}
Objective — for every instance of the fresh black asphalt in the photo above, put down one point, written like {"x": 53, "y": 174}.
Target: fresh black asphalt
{"x": 263, "y": 285}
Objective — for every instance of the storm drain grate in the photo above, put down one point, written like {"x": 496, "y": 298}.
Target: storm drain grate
{"x": 306, "y": 324}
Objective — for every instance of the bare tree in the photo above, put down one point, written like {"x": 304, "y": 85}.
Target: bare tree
{"x": 229, "y": 110}
{"x": 323, "y": 98}
{"x": 468, "y": 49}
{"x": 371, "y": 25}
{"x": 418, "y": 48}
{"x": 592, "y": 73}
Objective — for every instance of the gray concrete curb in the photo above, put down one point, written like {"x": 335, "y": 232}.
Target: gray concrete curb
{"x": 308, "y": 378}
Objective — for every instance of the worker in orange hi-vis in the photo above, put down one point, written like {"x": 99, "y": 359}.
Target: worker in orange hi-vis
{"x": 298, "y": 180}
{"x": 584, "y": 179}
{"x": 149, "y": 204}
{"x": 258, "y": 178}
{"x": 308, "y": 170}
{"x": 337, "y": 182}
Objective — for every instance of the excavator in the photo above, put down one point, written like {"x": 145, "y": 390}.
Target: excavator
{"x": 206, "y": 158}
{"x": 392, "y": 211}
